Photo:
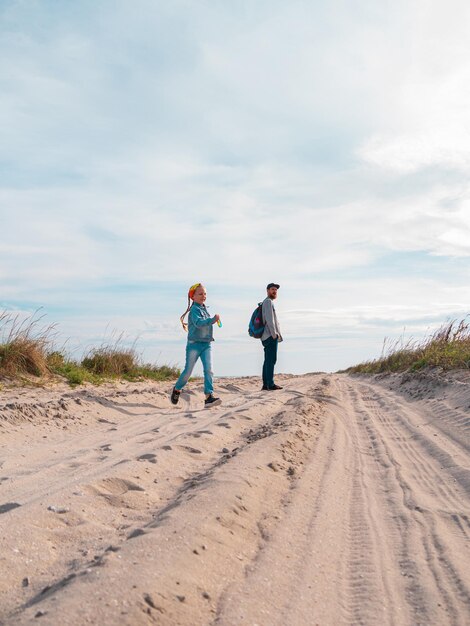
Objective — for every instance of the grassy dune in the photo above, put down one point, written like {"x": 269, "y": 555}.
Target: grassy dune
{"x": 28, "y": 354}
{"x": 448, "y": 348}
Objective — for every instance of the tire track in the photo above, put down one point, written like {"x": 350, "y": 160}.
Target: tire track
{"x": 421, "y": 497}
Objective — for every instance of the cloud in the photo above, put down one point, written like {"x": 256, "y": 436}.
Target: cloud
{"x": 415, "y": 150}
{"x": 311, "y": 143}
{"x": 198, "y": 226}
{"x": 429, "y": 107}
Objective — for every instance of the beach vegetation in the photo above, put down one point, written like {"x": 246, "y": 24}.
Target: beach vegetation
{"x": 72, "y": 371}
{"x": 114, "y": 359}
{"x": 28, "y": 354}
{"x": 24, "y": 344}
{"x": 110, "y": 360}
{"x": 447, "y": 348}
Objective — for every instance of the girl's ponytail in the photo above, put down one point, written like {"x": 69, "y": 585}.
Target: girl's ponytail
{"x": 183, "y": 323}
{"x": 191, "y": 292}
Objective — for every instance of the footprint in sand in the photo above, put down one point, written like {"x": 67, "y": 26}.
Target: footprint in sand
{"x": 190, "y": 449}
{"x": 227, "y": 416}
{"x": 224, "y": 425}
{"x": 136, "y": 533}
{"x": 151, "y": 458}
{"x": 167, "y": 448}
{"x": 8, "y": 506}
{"x": 231, "y": 387}
{"x": 293, "y": 402}
{"x": 106, "y": 447}
{"x": 205, "y": 432}
{"x": 111, "y": 489}
{"x": 75, "y": 465}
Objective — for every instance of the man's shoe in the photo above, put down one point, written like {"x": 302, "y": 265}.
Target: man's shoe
{"x": 274, "y": 388}
{"x": 175, "y": 396}
{"x": 212, "y": 401}
{"x": 264, "y": 388}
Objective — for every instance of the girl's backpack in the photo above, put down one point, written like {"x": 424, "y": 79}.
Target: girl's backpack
{"x": 256, "y": 325}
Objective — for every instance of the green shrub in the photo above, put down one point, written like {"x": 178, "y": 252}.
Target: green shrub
{"x": 75, "y": 374}
{"x": 154, "y": 372}
{"x": 55, "y": 359}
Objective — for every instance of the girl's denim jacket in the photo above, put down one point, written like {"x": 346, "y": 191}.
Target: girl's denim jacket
{"x": 200, "y": 323}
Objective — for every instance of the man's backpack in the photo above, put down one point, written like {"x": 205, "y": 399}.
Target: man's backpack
{"x": 256, "y": 325}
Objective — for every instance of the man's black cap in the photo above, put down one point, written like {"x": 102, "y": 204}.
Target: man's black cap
{"x": 272, "y": 285}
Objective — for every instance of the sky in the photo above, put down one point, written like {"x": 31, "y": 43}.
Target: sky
{"x": 146, "y": 145}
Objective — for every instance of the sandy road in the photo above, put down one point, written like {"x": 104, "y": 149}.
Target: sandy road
{"x": 335, "y": 501}
{"x": 377, "y": 530}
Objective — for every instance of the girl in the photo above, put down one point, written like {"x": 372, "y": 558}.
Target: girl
{"x": 199, "y": 344}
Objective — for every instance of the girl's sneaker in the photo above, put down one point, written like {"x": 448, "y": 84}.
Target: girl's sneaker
{"x": 211, "y": 401}
{"x": 175, "y": 396}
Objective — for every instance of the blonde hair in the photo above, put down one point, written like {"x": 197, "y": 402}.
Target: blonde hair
{"x": 191, "y": 292}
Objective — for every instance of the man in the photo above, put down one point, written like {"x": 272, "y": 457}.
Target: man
{"x": 270, "y": 338}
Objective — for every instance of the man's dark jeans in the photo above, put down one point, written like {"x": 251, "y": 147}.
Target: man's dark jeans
{"x": 270, "y": 358}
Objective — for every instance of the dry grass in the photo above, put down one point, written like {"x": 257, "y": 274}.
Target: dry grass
{"x": 27, "y": 351}
{"x": 448, "y": 347}
{"x": 110, "y": 361}
{"x": 114, "y": 360}
{"x": 24, "y": 344}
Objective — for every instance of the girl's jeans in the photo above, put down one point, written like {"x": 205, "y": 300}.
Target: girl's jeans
{"x": 194, "y": 351}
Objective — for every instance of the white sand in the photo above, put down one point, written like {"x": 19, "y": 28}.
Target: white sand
{"x": 336, "y": 501}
